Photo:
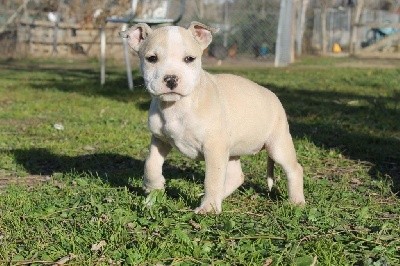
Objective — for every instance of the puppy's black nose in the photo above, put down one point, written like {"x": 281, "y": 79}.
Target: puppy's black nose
{"x": 171, "y": 81}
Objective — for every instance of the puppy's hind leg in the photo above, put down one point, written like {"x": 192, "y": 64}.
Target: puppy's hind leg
{"x": 270, "y": 173}
{"x": 234, "y": 176}
{"x": 282, "y": 152}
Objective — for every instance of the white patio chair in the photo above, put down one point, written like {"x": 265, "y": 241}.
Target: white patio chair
{"x": 152, "y": 12}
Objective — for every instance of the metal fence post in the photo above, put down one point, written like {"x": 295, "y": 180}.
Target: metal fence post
{"x": 127, "y": 62}
{"x": 284, "y": 47}
{"x": 102, "y": 55}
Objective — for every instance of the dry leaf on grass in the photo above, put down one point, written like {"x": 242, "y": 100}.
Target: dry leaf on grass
{"x": 98, "y": 246}
{"x": 195, "y": 225}
{"x": 65, "y": 259}
{"x": 267, "y": 262}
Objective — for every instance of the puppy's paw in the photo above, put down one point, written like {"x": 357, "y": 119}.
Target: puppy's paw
{"x": 150, "y": 186}
{"x": 209, "y": 206}
{"x": 270, "y": 182}
{"x": 298, "y": 200}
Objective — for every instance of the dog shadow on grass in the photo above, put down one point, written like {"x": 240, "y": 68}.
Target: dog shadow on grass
{"x": 117, "y": 170}
{"x": 357, "y": 126}
{"x": 114, "y": 169}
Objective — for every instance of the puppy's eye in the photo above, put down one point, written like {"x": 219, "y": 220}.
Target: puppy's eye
{"x": 152, "y": 59}
{"x": 189, "y": 59}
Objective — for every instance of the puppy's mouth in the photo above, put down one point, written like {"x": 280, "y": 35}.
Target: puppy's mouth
{"x": 169, "y": 96}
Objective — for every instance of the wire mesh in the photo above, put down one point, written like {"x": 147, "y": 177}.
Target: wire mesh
{"x": 338, "y": 26}
{"x": 247, "y": 28}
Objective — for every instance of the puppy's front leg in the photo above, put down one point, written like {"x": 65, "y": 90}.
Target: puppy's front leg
{"x": 153, "y": 178}
{"x": 216, "y": 158}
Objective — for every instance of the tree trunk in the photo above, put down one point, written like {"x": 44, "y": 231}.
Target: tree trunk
{"x": 293, "y": 32}
{"x": 324, "y": 36}
{"x": 301, "y": 25}
{"x": 356, "y": 16}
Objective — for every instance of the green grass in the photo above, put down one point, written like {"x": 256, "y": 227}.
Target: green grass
{"x": 346, "y": 128}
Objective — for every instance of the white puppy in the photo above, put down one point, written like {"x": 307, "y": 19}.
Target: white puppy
{"x": 216, "y": 118}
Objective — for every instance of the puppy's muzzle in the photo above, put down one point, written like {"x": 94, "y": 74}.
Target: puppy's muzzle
{"x": 171, "y": 81}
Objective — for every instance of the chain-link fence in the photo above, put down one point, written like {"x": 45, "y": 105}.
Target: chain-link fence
{"x": 248, "y": 29}
{"x": 373, "y": 25}
{"x": 365, "y": 28}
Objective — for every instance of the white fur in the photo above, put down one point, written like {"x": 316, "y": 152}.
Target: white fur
{"x": 171, "y": 62}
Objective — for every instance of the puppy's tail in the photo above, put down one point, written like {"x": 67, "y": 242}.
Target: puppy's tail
{"x": 270, "y": 173}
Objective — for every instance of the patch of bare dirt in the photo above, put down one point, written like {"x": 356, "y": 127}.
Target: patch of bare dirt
{"x": 30, "y": 180}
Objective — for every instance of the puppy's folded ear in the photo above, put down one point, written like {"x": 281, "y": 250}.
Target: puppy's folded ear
{"x": 136, "y": 35}
{"x": 202, "y": 33}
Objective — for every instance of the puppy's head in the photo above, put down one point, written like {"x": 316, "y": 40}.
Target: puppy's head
{"x": 170, "y": 57}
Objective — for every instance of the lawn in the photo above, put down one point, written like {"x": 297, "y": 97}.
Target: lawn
{"x": 72, "y": 155}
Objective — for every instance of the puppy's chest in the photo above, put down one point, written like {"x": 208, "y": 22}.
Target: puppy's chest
{"x": 179, "y": 131}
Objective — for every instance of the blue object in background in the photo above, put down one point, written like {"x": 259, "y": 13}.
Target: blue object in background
{"x": 264, "y": 49}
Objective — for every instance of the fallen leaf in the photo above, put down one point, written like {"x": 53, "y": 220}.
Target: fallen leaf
{"x": 98, "y": 246}
{"x": 58, "y": 126}
{"x": 65, "y": 259}
{"x": 108, "y": 199}
{"x": 267, "y": 262}
{"x": 102, "y": 111}
{"x": 195, "y": 225}
{"x": 130, "y": 225}
{"x": 356, "y": 181}
{"x": 353, "y": 103}
{"x": 254, "y": 196}
{"x": 89, "y": 148}
{"x": 104, "y": 218}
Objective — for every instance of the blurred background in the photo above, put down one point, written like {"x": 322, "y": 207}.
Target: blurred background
{"x": 250, "y": 31}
